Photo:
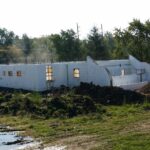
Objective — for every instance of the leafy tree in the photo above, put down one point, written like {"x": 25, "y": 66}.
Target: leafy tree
{"x": 26, "y": 44}
{"x": 109, "y": 43}
{"x": 43, "y": 49}
{"x": 120, "y": 49}
{"x": 83, "y": 49}
{"x": 135, "y": 39}
{"x": 95, "y": 45}
{"x": 6, "y": 38}
{"x": 67, "y": 45}
{"x": 6, "y": 42}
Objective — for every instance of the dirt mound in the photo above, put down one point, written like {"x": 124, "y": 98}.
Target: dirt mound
{"x": 108, "y": 95}
{"x": 145, "y": 89}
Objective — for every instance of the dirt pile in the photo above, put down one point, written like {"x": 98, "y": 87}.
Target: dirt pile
{"x": 108, "y": 95}
{"x": 145, "y": 89}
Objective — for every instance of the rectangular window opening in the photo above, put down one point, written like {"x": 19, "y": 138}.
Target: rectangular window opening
{"x": 76, "y": 72}
{"x": 10, "y": 73}
{"x": 49, "y": 73}
{"x": 18, "y": 73}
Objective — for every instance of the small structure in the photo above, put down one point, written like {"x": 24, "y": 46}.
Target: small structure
{"x": 128, "y": 74}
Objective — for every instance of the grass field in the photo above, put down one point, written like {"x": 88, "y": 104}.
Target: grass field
{"x": 125, "y": 127}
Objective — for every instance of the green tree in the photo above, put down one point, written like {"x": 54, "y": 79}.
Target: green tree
{"x": 26, "y": 44}
{"x": 120, "y": 50}
{"x": 43, "y": 49}
{"x": 83, "y": 49}
{"x": 109, "y": 43}
{"x": 6, "y": 41}
{"x": 67, "y": 45}
{"x": 135, "y": 40}
{"x": 6, "y": 38}
{"x": 95, "y": 45}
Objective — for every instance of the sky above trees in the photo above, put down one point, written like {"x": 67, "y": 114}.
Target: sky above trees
{"x": 44, "y": 17}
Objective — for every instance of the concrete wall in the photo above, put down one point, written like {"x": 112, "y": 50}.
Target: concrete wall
{"x": 126, "y": 79}
{"x": 97, "y": 74}
{"x": 113, "y": 62}
{"x": 139, "y": 65}
{"x": 133, "y": 86}
{"x": 116, "y": 70}
{"x": 147, "y": 69}
{"x": 28, "y": 80}
{"x": 59, "y": 76}
{"x": 82, "y": 66}
{"x": 135, "y": 63}
{"x": 34, "y": 75}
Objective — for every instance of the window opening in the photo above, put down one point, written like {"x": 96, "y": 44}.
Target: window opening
{"x": 18, "y": 73}
{"x": 76, "y": 73}
{"x": 49, "y": 73}
{"x": 10, "y": 73}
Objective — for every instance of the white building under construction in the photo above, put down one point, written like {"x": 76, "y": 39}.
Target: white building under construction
{"x": 128, "y": 74}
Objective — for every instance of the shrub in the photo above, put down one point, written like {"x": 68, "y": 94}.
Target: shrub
{"x": 71, "y": 105}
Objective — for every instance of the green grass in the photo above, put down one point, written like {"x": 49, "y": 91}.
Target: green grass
{"x": 133, "y": 141}
{"x": 124, "y": 127}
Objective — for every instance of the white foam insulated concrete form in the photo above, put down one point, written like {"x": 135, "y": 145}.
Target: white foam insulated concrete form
{"x": 127, "y": 73}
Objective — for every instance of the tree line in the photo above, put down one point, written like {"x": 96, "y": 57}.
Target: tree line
{"x": 67, "y": 46}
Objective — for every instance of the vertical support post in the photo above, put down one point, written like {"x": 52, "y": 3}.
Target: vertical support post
{"x": 67, "y": 75}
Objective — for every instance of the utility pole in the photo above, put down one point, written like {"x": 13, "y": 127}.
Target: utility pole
{"x": 102, "y": 29}
{"x": 78, "y": 31}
